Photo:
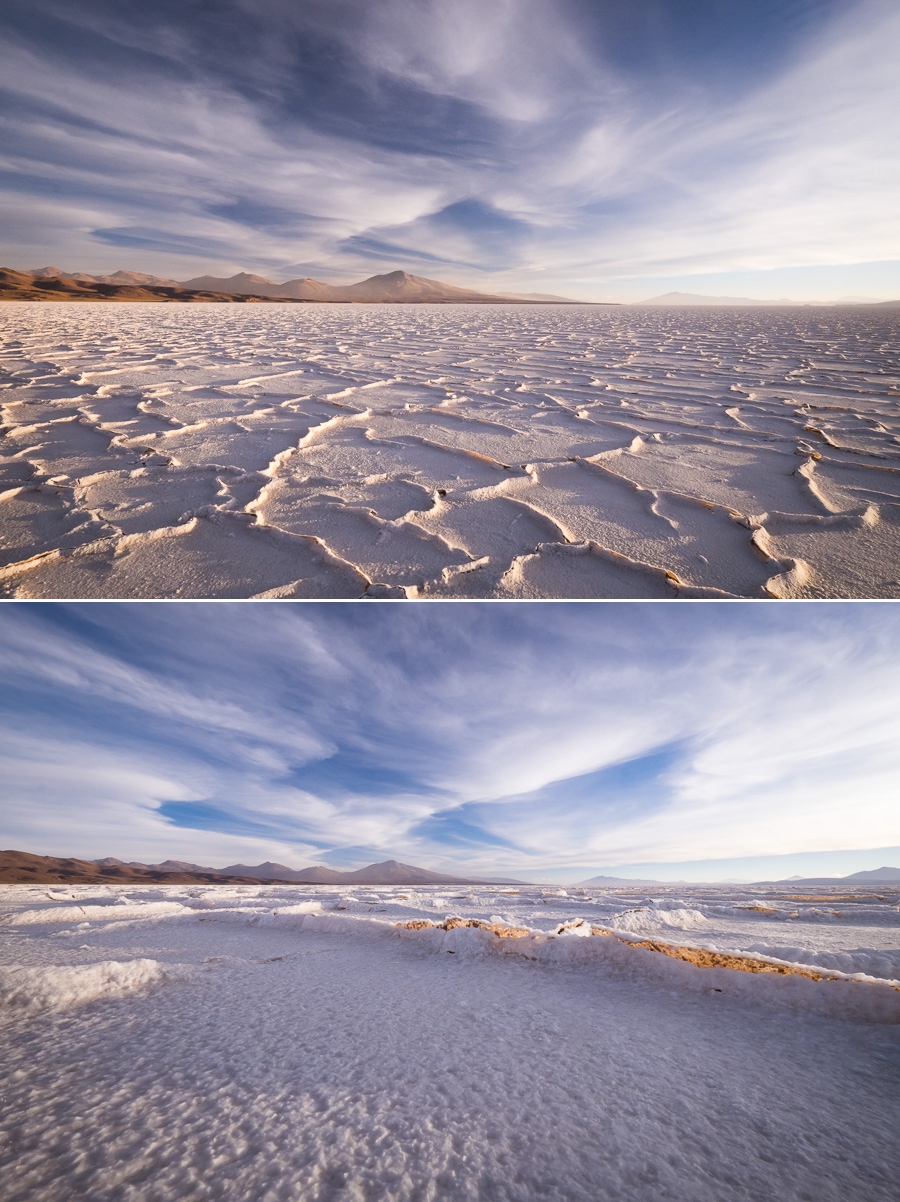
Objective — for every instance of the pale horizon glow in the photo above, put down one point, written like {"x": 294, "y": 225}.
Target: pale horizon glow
{"x": 520, "y": 740}
{"x": 593, "y": 151}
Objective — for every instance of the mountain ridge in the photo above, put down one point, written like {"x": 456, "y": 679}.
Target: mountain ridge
{"x": 885, "y": 876}
{"x": 398, "y": 287}
{"x": 394, "y": 287}
{"x": 40, "y": 286}
{"x": 700, "y": 299}
{"x": 22, "y": 867}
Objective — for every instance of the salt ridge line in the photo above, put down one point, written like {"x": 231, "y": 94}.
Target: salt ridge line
{"x": 730, "y": 919}
{"x": 699, "y": 956}
{"x": 677, "y": 402}
{"x": 121, "y": 917}
{"x": 826, "y": 992}
{"x": 574, "y": 943}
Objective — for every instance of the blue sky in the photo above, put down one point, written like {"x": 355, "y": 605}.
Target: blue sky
{"x": 542, "y": 741}
{"x": 606, "y": 150}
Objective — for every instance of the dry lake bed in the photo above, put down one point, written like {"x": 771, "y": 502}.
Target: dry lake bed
{"x": 448, "y": 451}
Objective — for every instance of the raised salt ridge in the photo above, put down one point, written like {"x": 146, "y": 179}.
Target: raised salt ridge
{"x": 449, "y": 451}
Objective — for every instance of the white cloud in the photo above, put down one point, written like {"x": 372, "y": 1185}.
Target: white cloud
{"x": 521, "y": 60}
{"x": 784, "y": 727}
{"x": 610, "y": 171}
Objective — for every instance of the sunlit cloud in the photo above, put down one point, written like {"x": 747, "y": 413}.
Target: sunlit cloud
{"x": 510, "y": 144}
{"x": 478, "y": 738}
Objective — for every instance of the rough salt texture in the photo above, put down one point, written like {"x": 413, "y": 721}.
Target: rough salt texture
{"x": 449, "y": 451}
{"x": 282, "y": 1043}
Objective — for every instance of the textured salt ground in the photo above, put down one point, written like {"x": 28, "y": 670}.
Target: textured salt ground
{"x": 435, "y": 451}
{"x": 298, "y": 1065}
{"x": 851, "y": 930}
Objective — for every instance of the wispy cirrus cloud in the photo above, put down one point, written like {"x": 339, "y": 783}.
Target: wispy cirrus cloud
{"x": 506, "y": 143}
{"x": 481, "y": 738}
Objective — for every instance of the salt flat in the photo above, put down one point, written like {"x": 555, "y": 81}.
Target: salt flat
{"x": 286, "y": 1042}
{"x": 449, "y": 451}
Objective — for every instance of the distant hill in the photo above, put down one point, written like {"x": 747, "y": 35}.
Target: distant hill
{"x": 280, "y": 872}
{"x": 674, "y": 299}
{"x": 22, "y": 867}
{"x": 396, "y": 287}
{"x": 390, "y": 872}
{"x": 696, "y": 298}
{"x": 45, "y": 285}
{"x": 876, "y": 874}
{"x": 861, "y": 300}
{"x": 117, "y": 277}
{"x": 548, "y": 298}
{"x": 880, "y": 876}
{"x": 620, "y": 880}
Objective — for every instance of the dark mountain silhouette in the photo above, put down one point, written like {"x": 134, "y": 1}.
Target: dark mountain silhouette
{"x": 620, "y": 880}
{"x": 19, "y": 867}
{"x": 396, "y": 287}
{"x": 875, "y": 874}
{"x": 389, "y": 872}
{"x": 48, "y": 285}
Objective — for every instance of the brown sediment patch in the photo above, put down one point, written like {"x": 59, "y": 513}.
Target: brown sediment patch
{"x": 700, "y": 957}
{"x": 703, "y": 958}
{"x": 451, "y": 924}
{"x": 825, "y": 898}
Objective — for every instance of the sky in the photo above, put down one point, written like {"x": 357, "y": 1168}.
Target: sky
{"x": 601, "y": 149}
{"x": 540, "y": 741}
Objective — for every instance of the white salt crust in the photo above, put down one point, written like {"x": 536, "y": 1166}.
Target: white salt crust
{"x": 295, "y": 1042}
{"x": 448, "y": 451}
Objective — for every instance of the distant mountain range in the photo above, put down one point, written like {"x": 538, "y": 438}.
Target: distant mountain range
{"x": 397, "y": 287}
{"x": 22, "y": 867}
{"x": 601, "y": 882}
{"x": 697, "y": 298}
{"x": 881, "y": 876}
{"x": 48, "y": 284}
{"x": 549, "y": 298}
{"x": 874, "y": 876}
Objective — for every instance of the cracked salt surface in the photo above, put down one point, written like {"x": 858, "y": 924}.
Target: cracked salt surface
{"x": 448, "y": 451}
{"x": 294, "y": 1042}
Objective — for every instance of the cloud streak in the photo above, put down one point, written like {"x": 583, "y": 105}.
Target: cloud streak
{"x": 479, "y": 738}
{"x": 505, "y": 144}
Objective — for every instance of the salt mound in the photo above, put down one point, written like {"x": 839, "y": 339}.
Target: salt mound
{"x": 647, "y": 921}
{"x": 91, "y": 913}
{"x": 26, "y": 990}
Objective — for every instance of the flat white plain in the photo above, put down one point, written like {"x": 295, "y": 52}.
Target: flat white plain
{"x": 449, "y": 451}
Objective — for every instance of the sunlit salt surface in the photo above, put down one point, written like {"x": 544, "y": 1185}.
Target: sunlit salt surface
{"x": 449, "y": 451}
{"x": 294, "y": 1042}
